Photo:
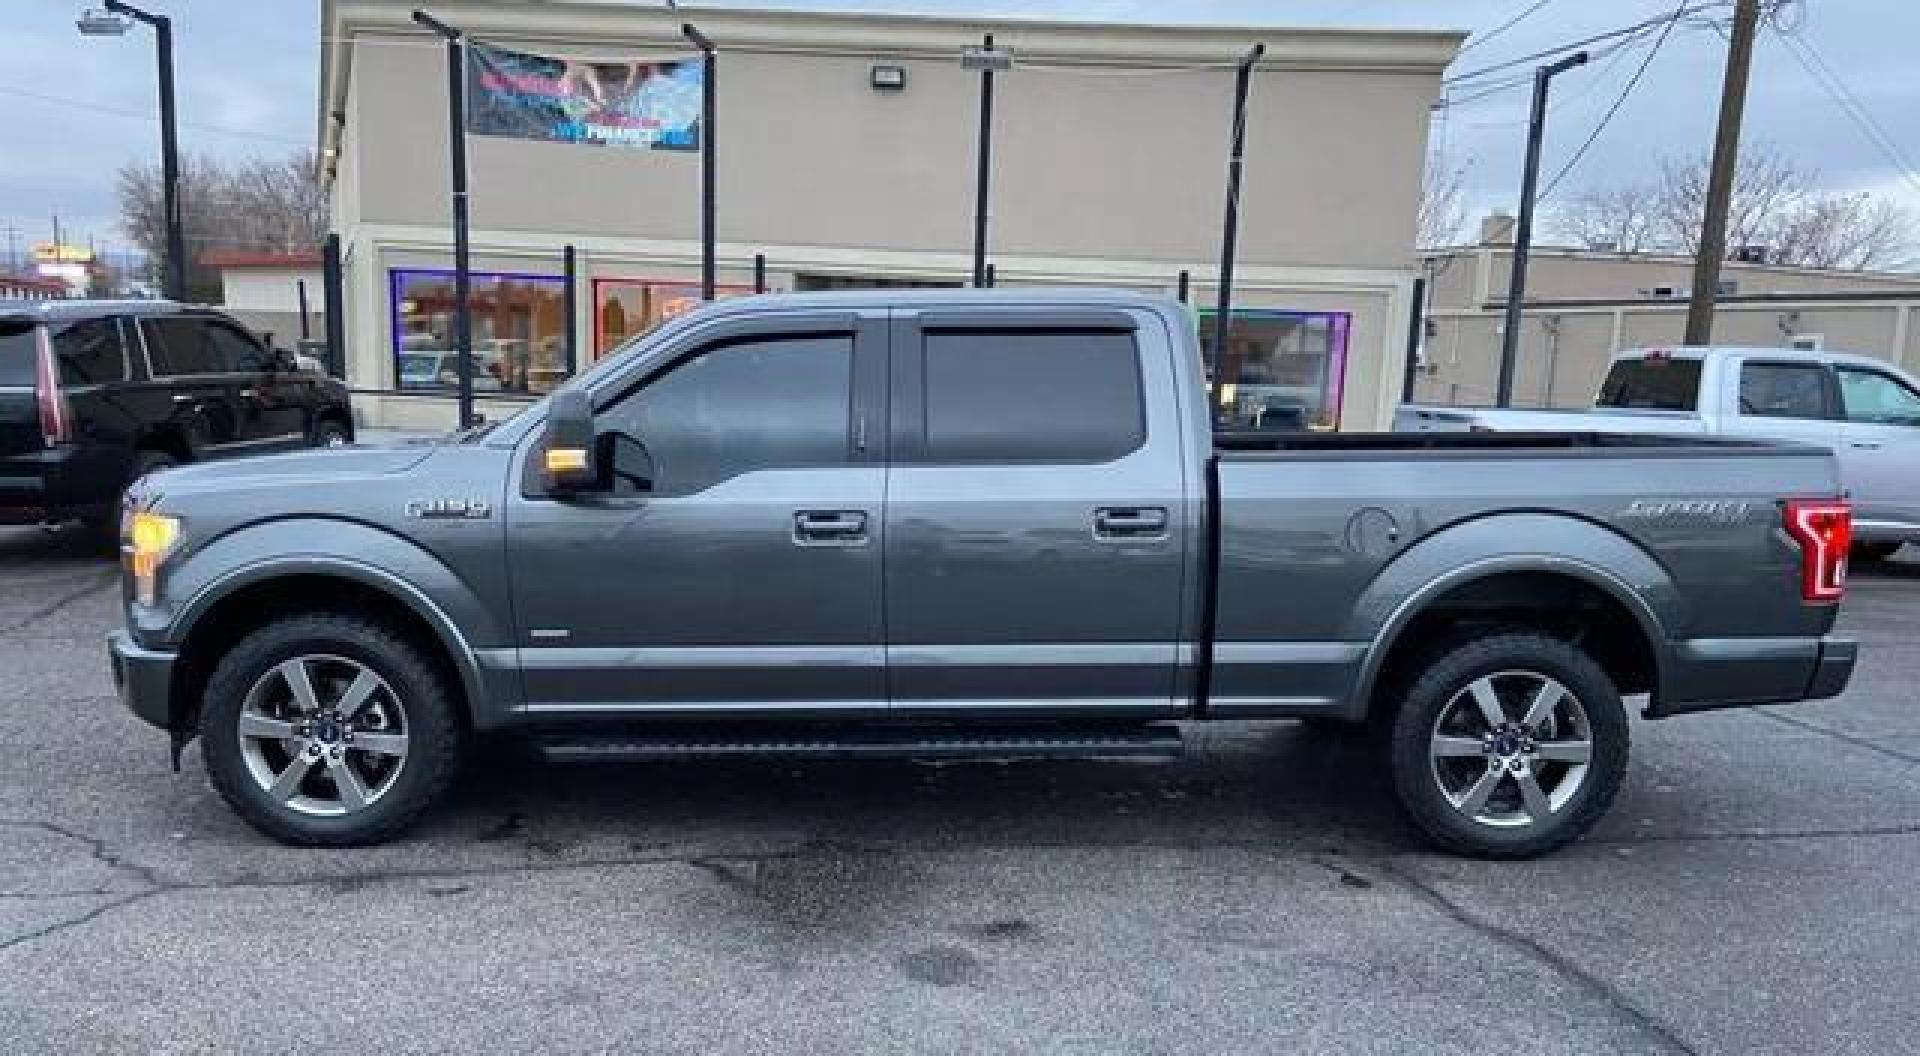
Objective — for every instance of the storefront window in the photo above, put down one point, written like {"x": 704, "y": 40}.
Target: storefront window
{"x": 626, "y": 308}
{"x": 1282, "y": 371}
{"x": 519, "y": 332}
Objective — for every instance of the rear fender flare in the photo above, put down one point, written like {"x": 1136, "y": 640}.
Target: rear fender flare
{"x": 1478, "y": 549}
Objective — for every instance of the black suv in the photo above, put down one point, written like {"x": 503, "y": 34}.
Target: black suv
{"x": 93, "y": 394}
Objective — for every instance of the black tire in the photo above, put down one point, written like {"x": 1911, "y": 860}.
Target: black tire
{"x": 1873, "y": 553}
{"x": 435, "y": 735}
{"x": 330, "y": 432}
{"x": 1433, "y": 686}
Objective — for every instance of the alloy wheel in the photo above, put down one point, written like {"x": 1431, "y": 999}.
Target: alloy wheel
{"x": 1511, "y": 749}
{"x": 323, "y": 735}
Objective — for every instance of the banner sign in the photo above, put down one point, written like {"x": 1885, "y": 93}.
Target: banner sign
{"x": 646, "y": 105}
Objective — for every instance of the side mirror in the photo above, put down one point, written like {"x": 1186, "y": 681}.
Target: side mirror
{"x": 570, "y": 458}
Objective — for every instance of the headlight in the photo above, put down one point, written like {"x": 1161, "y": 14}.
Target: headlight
{"x": 150, "y": 536}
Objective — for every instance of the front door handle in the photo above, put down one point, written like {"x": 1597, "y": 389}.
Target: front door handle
{"x": 1865, "y": 445}
{"x": 1130, "y": 522}
{"x": 830, "y": 527}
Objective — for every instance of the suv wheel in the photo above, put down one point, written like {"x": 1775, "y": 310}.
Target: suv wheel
{"x": 1508, "y": 747}
{"x": 330, "y": 433}
{"x": 329, "y": 730}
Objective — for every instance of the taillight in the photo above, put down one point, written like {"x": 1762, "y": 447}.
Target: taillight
{"x": 56, "y": 419}
{"x": 1824, "y": 530}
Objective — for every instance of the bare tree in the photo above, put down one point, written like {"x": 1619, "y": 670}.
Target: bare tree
{"x": 1776, "y": 205}
{"x": 269, "y": 205}
{"x": 1443, "y": 206}
{"x": 1621, "y": 219}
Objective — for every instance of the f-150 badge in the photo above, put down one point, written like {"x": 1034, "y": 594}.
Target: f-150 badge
{"x": 450, "y": 509}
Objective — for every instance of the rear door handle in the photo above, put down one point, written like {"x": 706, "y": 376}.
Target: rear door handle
{"x": 1865, "y": 445}
{"x": 1130, "y": 522}
{"x": 830, "y": 527}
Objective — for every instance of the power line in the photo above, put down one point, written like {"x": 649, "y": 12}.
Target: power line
{"x": 1482, "y": 38}
{"x": 1624, "y": 31}
{"x": 1619, "y": 101}
{"x": 138, "y": 115}
{"x": 1830, "y": 81}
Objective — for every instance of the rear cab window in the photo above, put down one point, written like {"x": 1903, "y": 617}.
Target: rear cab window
{"x": 1032, "y": 395}
{"x": 1652, "y": 383}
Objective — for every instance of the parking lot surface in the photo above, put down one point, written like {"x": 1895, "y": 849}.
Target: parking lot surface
{"x": 1754, "y": 890}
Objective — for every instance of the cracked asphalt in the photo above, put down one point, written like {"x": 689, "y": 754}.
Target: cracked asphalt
{"x": 1754, "y": 890}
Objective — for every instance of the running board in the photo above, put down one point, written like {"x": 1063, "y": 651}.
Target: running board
{"x": 870, "y": 743}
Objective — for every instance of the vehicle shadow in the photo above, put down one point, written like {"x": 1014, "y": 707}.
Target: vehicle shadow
{"x": 1269, "y": 786}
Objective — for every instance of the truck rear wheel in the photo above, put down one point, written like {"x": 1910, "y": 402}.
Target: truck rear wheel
{"x": 1509, "y": 746}
{"x": 326, "y": 729}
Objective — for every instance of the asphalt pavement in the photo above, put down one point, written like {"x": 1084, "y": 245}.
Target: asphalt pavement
{"x": 1754, "y": 890}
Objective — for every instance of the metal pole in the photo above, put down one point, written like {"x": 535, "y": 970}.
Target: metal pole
{"x": 1726, "y": 151}
{"x": 173, "y": 281}
{"x": 569, "y": 265}
{"x": 709, "y": 134}
{"x": 759, "y": 273}
{"x": 990, "y": 275}
{"x": 306, "y": 324}
{"x": 1230, "y": 229}
{"x": 1416, "y": 328}
{"x": 462, "y": 279}
{"x": 1186, "y": 285}
{"x": 334, "y": 296}
{"x": 986, "y": 169}
{"x": 1523, "y": 230}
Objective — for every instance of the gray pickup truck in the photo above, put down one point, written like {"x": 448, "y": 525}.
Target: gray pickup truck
{"x": 964, "y": 524}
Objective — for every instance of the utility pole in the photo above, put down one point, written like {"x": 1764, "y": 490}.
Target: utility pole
{"x": 1523, "y": 228}
{"x": 986, "y": 59}
{"x": 1726, "y": 156}
{"x": 709, "y": 146}
{"x": 1230, "y": 227}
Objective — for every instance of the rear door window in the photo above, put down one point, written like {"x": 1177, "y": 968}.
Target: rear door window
{"x": 91, "y": 352}
{"x": 16, "y": 353}
{"x": 179, "y": 345}
{"x": 1033, "y": 396}
{"x": 1652, "y": 383}
{"x": 1784, "y": 390}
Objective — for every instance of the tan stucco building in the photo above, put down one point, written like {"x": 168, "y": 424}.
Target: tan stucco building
{"x": 1583, "y": 306}
{"x": 1109, "y": 168}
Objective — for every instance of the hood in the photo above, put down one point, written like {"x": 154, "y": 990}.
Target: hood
{"x": 327, "y": 466}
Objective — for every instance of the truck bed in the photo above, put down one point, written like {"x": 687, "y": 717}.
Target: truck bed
{"x": 1466, "y": 444}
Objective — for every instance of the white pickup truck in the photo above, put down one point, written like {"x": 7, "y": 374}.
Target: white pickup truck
{"x": 1867, "y": 411}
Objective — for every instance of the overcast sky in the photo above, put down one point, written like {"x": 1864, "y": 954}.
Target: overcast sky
{"x": 77, "y": 108}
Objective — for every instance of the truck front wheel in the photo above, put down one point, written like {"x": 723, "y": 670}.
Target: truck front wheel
{"x": 1508, "y": 746}
{"x": 326, "y": 729}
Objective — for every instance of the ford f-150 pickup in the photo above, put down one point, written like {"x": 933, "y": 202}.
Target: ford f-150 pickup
{"x": 964, "y": 524}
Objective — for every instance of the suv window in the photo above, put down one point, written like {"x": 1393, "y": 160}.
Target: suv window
{"x": 179, "y": 345}
{"x": 239, "y": 354}
{"x": 1655, "y": 383}
{"x": 1870, "y": 396}
{"x": 1784, "y": 390}
{"x": 90, "y": 352}
{"x": 17, "y": 353}
{"x": 1033, "y": 396}
{"x": 741, "y": 406}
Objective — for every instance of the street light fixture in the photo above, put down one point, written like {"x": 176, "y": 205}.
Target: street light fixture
{"x": 109, "y": 23}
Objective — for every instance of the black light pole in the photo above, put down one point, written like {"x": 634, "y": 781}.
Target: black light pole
{"x": 1523, "y": 229}
{"x": 1230, "y": 233}
{"x": 709, "y": 90}
{"x": 759, "y": 273}
{"x": 986, "y": 59}
{"x": 334, "y": 298}
{"x": 173, "y": 281}
{"x": 570, "y": 270}
{"x": 306, "y": 325}
{"x": 457, "y": 140}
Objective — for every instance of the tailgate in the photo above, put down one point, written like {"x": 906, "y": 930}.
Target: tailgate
{"x": 19, "y": 413}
